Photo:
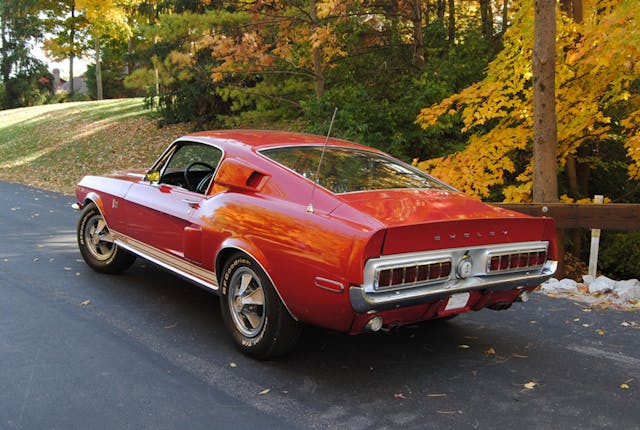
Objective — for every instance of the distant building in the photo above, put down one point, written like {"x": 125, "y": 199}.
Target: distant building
{"x": 79, "y": 83}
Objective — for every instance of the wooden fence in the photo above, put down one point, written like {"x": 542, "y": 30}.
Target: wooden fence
{"x": 612, "y": 216}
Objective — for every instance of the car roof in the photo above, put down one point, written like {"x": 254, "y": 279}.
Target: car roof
{"x": 260, "y": 139}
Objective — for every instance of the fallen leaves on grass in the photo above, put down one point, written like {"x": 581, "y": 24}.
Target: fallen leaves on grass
{"x": 66, "y": 145}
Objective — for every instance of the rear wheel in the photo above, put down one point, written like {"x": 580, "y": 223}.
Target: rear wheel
{"x": 96, "y": 243}
{"x": 257, "y": 320}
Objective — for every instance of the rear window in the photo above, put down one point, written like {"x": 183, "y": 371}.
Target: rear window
{"x": 346, "y": 170}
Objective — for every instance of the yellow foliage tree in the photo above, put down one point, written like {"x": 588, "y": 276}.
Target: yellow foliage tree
{"x": 597, "y": 71}
{"x": 107, "y": 19}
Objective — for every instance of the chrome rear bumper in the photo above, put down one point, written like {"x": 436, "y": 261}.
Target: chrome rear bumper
{"x": 363, "y": 302}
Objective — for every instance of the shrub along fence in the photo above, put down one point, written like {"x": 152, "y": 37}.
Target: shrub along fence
{"x": 611, "y": 216}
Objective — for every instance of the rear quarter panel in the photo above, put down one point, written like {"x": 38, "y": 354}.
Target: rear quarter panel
{"x": 302, "y": 252}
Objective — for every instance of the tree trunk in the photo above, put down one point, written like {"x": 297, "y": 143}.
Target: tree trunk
{"x": 505, "y": 16}
{"x": 572, "y": 176}
{"x": 72, "y": 49}
{"x": 486, "y": 15}
{"x": 545, "y": 134}
{"x": 573, "y": 9}
{"x": 71, "y": 89}
{"x": 574, "y": 169}
{"x": 452, "y": 21}
{"x": 427, "y": 11}
{"x": 98, "y": 70}
{"x": 418, "y": 35}
{"x": 130, "y": 56}
{"x": 5, "y": 64}
{"x": 317, "y": 55}
{"x": 441, "y": 8}
{"x": 578, "y": 10}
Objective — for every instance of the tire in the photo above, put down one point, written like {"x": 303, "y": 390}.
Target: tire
{"x": 254, "y": 315}
{"x": 97, "y": 247}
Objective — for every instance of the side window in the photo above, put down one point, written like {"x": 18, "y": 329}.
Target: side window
{"x": 191, "y": 166}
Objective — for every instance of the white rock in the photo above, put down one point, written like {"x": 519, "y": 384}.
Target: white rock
{"x": 601, "y": 285}
{"x": 564, "y": 285}
{"x": 628, "y": 290}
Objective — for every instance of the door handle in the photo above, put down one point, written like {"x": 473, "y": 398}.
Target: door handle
{"x": 191, "y": 203}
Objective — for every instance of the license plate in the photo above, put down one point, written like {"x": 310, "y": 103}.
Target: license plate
{"x": 457, "y": 301}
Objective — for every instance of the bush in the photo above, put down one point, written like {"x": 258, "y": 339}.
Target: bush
{"x": 619, "y": 255}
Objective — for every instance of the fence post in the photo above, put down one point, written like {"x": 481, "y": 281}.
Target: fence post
{"x": 595, "y": 243}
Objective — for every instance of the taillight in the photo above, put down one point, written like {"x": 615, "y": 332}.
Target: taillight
{"x": 516, "y": 260}
{"x": 413, "y": 274}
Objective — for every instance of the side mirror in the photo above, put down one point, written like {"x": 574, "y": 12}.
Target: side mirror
{"x": 152, "y": 176}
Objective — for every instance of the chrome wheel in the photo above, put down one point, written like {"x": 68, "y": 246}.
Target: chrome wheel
{"x": 98, "y": 238}
{"x": 96, "y": 243}
{"x": 252, "y": 311}
{"x": 246, "y": 302}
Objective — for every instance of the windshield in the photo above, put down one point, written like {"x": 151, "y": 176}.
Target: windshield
{"x": 346, "y": 170}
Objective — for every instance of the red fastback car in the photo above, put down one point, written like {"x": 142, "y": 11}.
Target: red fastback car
{"x": 292, "y": 228}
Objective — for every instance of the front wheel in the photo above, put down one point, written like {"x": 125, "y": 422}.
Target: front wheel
{"x": 259, "y": 323}
{"x": 96, "y": 243}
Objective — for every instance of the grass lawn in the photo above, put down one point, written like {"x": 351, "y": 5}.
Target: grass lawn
{"x": 53, "y": 146}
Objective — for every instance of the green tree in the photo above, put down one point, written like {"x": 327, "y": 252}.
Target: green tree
{"x": 178, "y": 75}
{"x": 113, "y": 60}
{"x": 20, "y": 71}
{"x": 70, "y": 38}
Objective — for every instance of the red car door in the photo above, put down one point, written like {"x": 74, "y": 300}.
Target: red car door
{"x": 160, "y": 214}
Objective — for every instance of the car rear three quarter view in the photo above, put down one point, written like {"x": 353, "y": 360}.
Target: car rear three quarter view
{"x": 292, "y": 229}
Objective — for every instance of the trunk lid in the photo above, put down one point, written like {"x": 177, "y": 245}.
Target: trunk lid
{"x": 423, "y": 220}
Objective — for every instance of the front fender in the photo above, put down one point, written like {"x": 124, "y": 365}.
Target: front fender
{"x": 94, "y": 198}
{"x": 108, "y": 194}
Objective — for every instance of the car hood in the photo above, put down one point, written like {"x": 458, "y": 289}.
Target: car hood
{"x": 128, "y": 175}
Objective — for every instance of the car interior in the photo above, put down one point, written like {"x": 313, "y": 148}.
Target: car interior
{"x": 191, "y": 166}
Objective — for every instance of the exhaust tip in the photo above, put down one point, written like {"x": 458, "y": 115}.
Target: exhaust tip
{"x": 374, "y": 324}
{"x": 523, "y": 297}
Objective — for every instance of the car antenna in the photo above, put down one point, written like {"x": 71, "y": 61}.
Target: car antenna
{"x": 324, "y": 148}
